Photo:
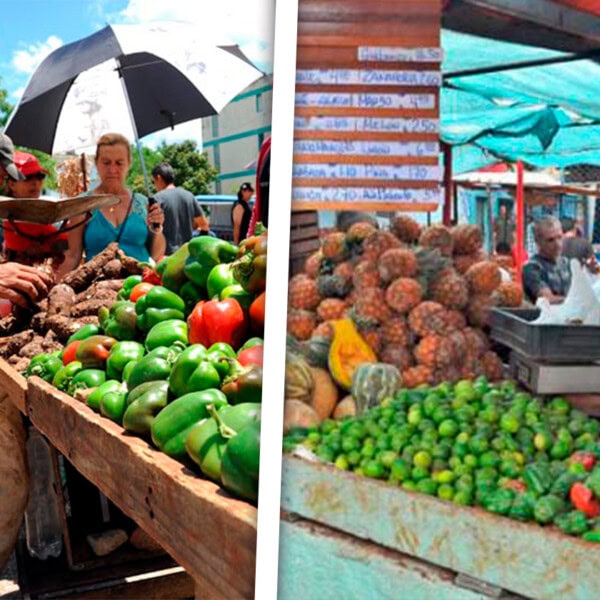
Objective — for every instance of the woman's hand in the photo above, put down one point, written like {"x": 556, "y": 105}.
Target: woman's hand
{"x": 156, "y": 218}
{"x": 20, "y": 282}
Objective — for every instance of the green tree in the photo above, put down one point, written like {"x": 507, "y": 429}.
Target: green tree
{"x": 5, "y": 106}
{"x": 135, "y": 179}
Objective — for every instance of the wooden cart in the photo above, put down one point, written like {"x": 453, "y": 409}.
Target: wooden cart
{"x": 208, "y": 532}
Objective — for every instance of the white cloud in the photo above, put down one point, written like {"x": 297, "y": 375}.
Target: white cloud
{"x": 16, "y": 94}
{"x": 27, "y": 60}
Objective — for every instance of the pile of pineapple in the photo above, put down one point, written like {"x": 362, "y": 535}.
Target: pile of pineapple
{"x": 418, "y": 296}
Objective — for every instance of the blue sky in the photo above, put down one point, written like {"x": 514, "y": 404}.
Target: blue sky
{"x": 29, "y": 31}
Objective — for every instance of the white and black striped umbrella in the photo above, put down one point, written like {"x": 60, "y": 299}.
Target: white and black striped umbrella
{"x": 131, "y": 79}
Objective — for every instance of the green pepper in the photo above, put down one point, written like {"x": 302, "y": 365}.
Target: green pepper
{"x": 593, "y": 481}
{"x": 44, "y": 366}
{"x": 86, "y": 378}
{"x": 237, "y": 292}
{"x": 572, "y": 523}
{"x": 121, "y": 354}
{"x": 159, "y": 304}
{"x": 205, "y": 253}
{"x": 562, "y": 484}
{"x": 241, "y": 461}
{"x": 63, "y": 376}
{"x": 155, "y": 366}
{"x": 244, "y": 384}
{"x": 120, "y": 321}
{"x": 547, "y": 508}
{"x": 170, "y": 269}
{"x": 538, "y": 478}
{"x": 250, "y": 269}
{"x": 112, "y": 404}
{"x": 129, "y": 283}
{"x": 205, "y": 444}
{"x": 223, "y": 348}
{"x": 500, "y": 501}
{"x": 166, "y": 333}
{"x": 522, "y": 507}
{"x": 143, "y": 404}
{"x": 173, "y": 423}
{"x": 93, "y": 351}
{"x": 193, "y": 372}
{"x": 95, "y": 398}
{"x": 592, "y": 536}
{"x": 85, "y": 331}
{"x": 191, "y": 294}
{"x": 220, "y": 277}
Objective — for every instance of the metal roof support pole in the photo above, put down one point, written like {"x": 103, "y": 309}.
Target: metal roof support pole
{"x": 448, "y": 187}
{"x": 520, "y": 223}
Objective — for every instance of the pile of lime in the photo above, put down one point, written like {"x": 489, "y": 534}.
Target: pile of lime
{"x": 472, "y": 442}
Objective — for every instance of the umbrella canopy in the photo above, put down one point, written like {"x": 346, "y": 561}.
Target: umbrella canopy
{"x": 133, "y": 79}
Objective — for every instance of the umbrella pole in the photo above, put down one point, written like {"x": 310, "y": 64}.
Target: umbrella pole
{"x": 520, "y": 241}
{"x": 135, "y": 132}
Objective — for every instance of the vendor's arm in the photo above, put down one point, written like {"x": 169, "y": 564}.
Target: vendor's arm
{"x": 535, "y": 287}
{"x": 19, "y": 282}
{"x": 238, "y": 214}
{"x": 157, "y": 244}
{"x": 75, "y": 250}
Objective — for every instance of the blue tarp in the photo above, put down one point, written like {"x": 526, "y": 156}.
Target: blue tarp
{"x": 545, "y": 115}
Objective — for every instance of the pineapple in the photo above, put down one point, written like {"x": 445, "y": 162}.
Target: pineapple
{"x": 428, "y": 317}
{"x": 366, "y": 274}
{"x": 331, "y": 286}
{"x": 312, "y": 264}
{"x": 455, "y": 320}
{"x": 509, "y": 294}
{"x": 483, "y": 277}
{"x": 300, "y": 323}
{"x": 450, "y": 373}
{"x": 438, "y": 236}
{"x": 398, "y": 355}
{"x": 476, "y": 341}
{"x": 432, "y": 265}
{"x": 395, "y": 331}
{"x": 403, "y": 294}
{"x": 450, "y": 290}
{"x": 415, "y": 376}
{"x": 452, "y": 349}
{"x": 344, "y": 270}
{"x": 492, "y": 366}
{"x": 303, "y": 292}
{"x": 372, "y": 336}
{"x": 428, "y": 349}
{"x": 463, "y": 261}
{"x": 333, "y": 246}
{"x": 358, "y": 232}
{"x": 478, "y": 310}
{"x": 397, "y": 262}
{"x": 331, "y": 308}
{"x": 467, "y": 239}
{"x": 369, "y": 310}
{"x": 377, "y": 243}
{"x": 406, "y": 229}
{"x": 323, "y": 330}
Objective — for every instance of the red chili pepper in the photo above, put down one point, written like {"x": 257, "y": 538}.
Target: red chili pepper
{"x": 587, "y": 459}
{"x": 583, "y": 500}
{"x": 70, "y": 351}
{"x": 217, "y": 321}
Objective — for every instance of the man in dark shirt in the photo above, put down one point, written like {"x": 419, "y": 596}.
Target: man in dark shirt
{"x": 548, "y": 273}
{"x": 182, "y": 213}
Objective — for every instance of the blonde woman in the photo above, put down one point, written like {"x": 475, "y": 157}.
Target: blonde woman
{"x": 135, "y": 225}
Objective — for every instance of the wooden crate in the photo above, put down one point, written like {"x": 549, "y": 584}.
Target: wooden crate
{"x": 13, "y": 386}
{"x": 523, "y": 558}
{"x": 209, "y": 533}
{"x": 304, "y": 238}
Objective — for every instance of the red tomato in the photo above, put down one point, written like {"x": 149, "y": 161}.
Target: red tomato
{"x": 139, "y": 290}
{"x": 69, "y": 352}
{"x": 251, "y": 356}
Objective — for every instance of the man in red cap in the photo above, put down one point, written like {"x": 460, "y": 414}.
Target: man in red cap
{"x": 31, "y": 243}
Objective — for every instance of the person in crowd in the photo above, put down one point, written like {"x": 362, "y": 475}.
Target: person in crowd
{"x": 133, "y": 223}
{"x": 574, "y": 244}
{"x": 31, "y": 243}
{"x": 182, "y": 213}
{"x": 548, "y": 273}
{"x": 260, "y": 210}
{"x": 241, "y": 212}
{"x": 18, "y": 283}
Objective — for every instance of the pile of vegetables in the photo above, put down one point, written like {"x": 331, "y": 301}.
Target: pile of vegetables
{"x": 177, "y": 359}
{"x": 477, "y": 444}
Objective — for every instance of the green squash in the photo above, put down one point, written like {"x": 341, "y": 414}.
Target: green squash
{"x": 371, "y": 383}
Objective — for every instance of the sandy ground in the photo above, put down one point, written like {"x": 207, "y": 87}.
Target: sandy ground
{"x": 9, "y": 588}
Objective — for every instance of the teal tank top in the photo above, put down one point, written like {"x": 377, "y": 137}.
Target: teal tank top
{"x": 100, "y": 232}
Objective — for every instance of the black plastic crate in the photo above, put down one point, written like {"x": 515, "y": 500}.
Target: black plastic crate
{"x": 550, "y": 343}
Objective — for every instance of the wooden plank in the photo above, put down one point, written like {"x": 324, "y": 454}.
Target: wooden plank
{"x": 367, "y": 206}
{"x": 348, "y": 56}
{"x": 383, "y": 32}
{"x": 304, "y": 247}
{"x": 344, "y": 566}
{"x": 13, "y": 386}
{"x": 307, "y": 217}
{"x": 212, "y": 535}
{"x": 305, "y": 233}
{"x": 520, "y": 557}
{"x": 365, "y": 159}
{"x": 351, "y": 10}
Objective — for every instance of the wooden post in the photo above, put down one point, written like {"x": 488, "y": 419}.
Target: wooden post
{"x": 520, "y": 241}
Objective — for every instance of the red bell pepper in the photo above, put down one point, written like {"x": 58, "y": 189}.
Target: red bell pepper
{"x": 217, "y": 321}
{"x": 251, "y": 356}
{"x": 69, "y": 352}
{"x": 139, "y": 290}
{"x": 257, "y": 314}
{"x": 587, "y": 459}
{"x": 149, "y": 275}
{"x": 583, "y": 500}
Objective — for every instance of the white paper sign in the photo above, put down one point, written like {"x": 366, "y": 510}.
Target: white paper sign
{"x": 367, "y": 148}
{"x": 350, "y": 171}
{"x": 383, "y": 124}
{"x": 367, "y": 77}
{"x": 366, "y": 100}
{"x": 391, "y": 54}
{"x": 344, "y": 194}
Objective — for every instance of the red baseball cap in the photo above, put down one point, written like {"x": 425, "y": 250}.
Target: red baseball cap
{"x": 28, "y": 164}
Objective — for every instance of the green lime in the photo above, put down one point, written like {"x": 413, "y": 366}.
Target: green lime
{"x": 418, "y": 473}
{"x": 354, "y": 457}
{"x": 464, "y": 482}
{"x": 368, "y": 451}
{"x": 427, "y": 486}
{"x": 471, "y": 460}
{"x": 422, "y": 459}
{"x": 409, "y": 485}
{"x": 440, "y": 414}
{"x": 559, "y": 406}
{"x": 350, "y": 443}
{"x": 478, "y": 444}
{"x": 462, "y": 438}
{"x": 460, "y": 450}
{"x": 448, "y": 428}
{"x": 454, "y": 462}
{"x": 510, "y": 468}
{"x": 400, "y": 469}
{"x": 387, "y": 457}
{"x": 445, "y": 491}
{"x": 509, "y": 423}
{"x": 415, "y": 415}
{"x": 463, "y": 497}
{"x": 341, "y": 462}
{"x": 489, "y": 459}
{"x": 373, "y": 469}
{"x": 445, "y": 476}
